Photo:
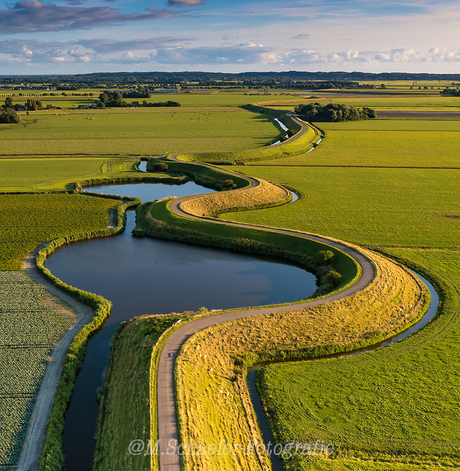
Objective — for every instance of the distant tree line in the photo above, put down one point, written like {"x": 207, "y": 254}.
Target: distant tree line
{"x": 333, "y": 112}
{"x": 116, "y": 99}
{"x": 451, "y": 92}
{"x": 161, "y": 103}
{"x": 290, "y": 79}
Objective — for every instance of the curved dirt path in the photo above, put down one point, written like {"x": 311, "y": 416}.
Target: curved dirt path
{"x": 36, "y": 432}
{"x": 167, "y": 422}
{"x": 38, "y": 425}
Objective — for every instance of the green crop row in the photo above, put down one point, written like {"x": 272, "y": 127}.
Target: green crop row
{"x": 15, "y": 413}
{"x": 32, "y": 320}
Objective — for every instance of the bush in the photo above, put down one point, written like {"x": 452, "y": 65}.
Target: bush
{"x": 160, "y": 167}
{"x": 333, "y": 277}
{"x": 324, "y": 257}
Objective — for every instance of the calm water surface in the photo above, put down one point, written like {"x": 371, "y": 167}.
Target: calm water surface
{"x": 147, "y": 276}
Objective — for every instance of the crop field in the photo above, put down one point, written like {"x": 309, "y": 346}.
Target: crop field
{"x": 59, "y": 173}
{"x": 31, "y": 323}
{"x": 390, "y": 183}
{"x": 26, "y": 221}
{"x": 131, "y": 132}
{"x": 213, "y": 404}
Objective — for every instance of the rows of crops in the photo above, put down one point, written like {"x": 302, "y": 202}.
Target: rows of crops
{"x": 32, "y": 320}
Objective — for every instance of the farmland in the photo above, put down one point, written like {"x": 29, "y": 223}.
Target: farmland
{"x": 397, "y": 405}
{"x": 396, "y": 207}
{"x": 27, "y": 221}
{"x": 394, "y": 143}
{"x": 38, "y": 174}
{"x": 392, "y": 183}
{"x": 31, "y": 323}
{"x": 126, "y": 131}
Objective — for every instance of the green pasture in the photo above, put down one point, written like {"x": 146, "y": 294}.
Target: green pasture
{"x": 59, "y": 173}
{"x": 131, "y": 132}
{"x": 383, "y": 143}
{"x": 395, "y": 404}
{"x": 32, "y": 321}
{"x": 392, "y": 207}
{"x": 26, "y": 221}
{"x": 432, "y": 101}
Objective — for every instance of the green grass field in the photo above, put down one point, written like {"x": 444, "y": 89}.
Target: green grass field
{"x": 395, "y": 207}
{"x": 383, "y": 143}
{"x": 59, "y": 173}
{"x": 122, "y": 131}
{"x": 382, "y": 100}
{"x": 396, "y": 404}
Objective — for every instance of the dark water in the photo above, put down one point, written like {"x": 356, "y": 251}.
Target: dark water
{"x": 147, "y": 276}
{"x": 267, "y": 436}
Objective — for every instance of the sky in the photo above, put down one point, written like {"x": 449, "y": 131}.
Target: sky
{"x": 84, "y": 36}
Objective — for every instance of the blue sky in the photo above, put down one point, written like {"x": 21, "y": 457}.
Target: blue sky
{"x": 78, "y": 36}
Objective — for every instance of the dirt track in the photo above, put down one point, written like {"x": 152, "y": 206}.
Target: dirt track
{"x": 36, "y": 433}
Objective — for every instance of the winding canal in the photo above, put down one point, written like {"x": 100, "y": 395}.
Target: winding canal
{"x": 141, "y": 276}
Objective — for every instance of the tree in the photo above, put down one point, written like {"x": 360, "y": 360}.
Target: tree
{"x": 8, "y": 115}
{"x": 8, "y": 102}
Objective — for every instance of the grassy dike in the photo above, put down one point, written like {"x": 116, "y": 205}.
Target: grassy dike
{"x": 52, "y": 456}
{"x": 127, "y": 382}
{"x": 212, "y": 399}
{"x": 400, "y": 410}
{"x": 157, "y": 220}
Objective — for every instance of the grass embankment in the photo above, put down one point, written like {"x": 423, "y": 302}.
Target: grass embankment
{"x": 32, "y": 321}
{"x": 262, "y": 195}
{"x": 205, "y": 176}
{"x": 398, "y": 405}
{"x": 212, "y": 397}
{"x": 126, "y": 131}
{"x": 52, "y": 457}
{"x": 124, "y": 401}
{"x": 383, "y": 143}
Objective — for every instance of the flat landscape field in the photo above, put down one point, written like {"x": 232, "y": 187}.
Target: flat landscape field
{"x": 388, "y": 184}
{"x": 126, "y": 131}
{"x": 38, "y": 174}
{"x": 383, "y": 143}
